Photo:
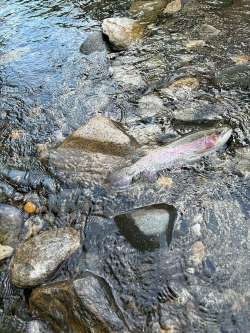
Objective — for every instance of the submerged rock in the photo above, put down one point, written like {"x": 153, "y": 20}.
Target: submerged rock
{"x": 148, "y": 227}
{"x": 185, "y": 83}
{"x": 122, "y": 31}
{"x": 102, "y": 135}
{"x": 5, "y": 252}
{"x": 11, "y": 221}
{"x": 192, "y": 44}
{"x": 94, "y": 42}
{"x": 173, "y": 7}
{"x": 235, "y": 76}
{"x": 150, "y": 105}
{"x": 128, "y": 76}
{"x": 97, "y": 299}
{"x": 58, "y": 304}
{"x": 87, "y": 305}
{"x": 147, "y": 11}
{"x": 73, "y": 166}
{"x": 39, "y": 257}
{"x": 241, "y": 59}
{"x": 208, "y": 31}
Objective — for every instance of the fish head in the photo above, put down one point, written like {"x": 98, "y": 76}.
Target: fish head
{"x": 217, "y": 138}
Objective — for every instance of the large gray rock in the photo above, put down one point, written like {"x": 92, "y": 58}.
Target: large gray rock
{"x": 36, "y": 259}
{"x": 11, "y": 220}
{"x": 122, "y": 31}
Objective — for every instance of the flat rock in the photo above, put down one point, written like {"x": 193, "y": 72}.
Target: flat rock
{"x": 39, "y": 257}
{"x": 11, "y": 221}
{"x": 102, "y": 135}
{"x": 122, "y": 31}
{"x": 241, "y": 59}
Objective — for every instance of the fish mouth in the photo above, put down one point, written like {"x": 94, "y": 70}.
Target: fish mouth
{"x": 224, "y": 133}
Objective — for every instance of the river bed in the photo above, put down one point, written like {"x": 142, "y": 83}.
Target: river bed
{"x": 170, "y": 253}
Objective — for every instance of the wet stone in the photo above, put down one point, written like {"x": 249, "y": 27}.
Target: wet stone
{"x": 198, "y": 253}
{"x": 192, "y": 44}
{"x": 39, "y": 257}
{"x": 208, "y": 31}
{"x": 122, "y": 31}
{"x": 76, "y": 308}
{"x": 5, "y": 252}
{"x": 150, "y": 105}
{"x": 105, "y": 311}
{"x": 147, "y": 11}
{"x": 94, "y": 42}
{"x": 173, "y": 7}
{"x": 235, "y": 76}
{"x": 102, "y": 135}
{"x": 11, "y": 221}
{"x": 128, "y": 77}
{"x": 189, "y": 83}
{"x": 148, "y": 227}
{"x": 58, "y": 304}
{"x": 74, "y": 166}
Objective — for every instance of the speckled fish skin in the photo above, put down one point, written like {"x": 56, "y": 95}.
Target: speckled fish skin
{"x": 187, "y": 149}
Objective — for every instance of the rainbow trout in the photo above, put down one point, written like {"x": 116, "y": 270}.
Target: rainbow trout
{"x": 187, "y": 149}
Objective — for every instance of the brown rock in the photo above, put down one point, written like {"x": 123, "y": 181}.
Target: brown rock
{"x": 83, "y": 307}
{"x": 39, "y": 257}
{"x": 102, "y": 135}
{"x": 122, "y": 31}
{"x": 58, "y": 304}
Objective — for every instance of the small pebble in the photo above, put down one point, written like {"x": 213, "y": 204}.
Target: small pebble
{"x": 173, "y": 7}
{"x": 166, "y": 182}
{"x": 198, "y": 253}
{"x": 30, "y": 208}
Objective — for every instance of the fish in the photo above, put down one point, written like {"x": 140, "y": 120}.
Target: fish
{"x": 187, "y": 149}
